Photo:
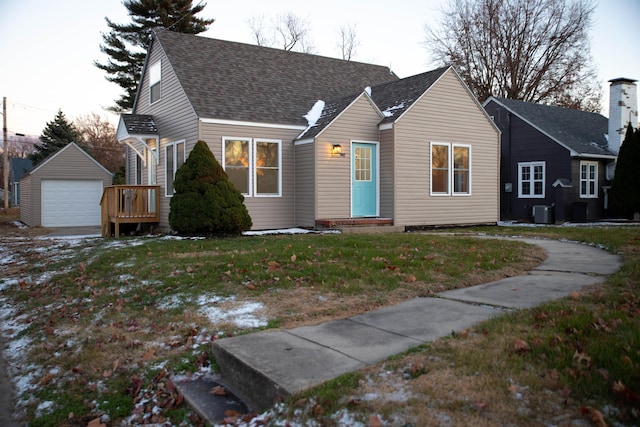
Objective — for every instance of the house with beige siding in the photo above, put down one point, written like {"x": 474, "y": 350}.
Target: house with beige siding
{"x": 64, "y": 190}
{"x": 312, "y": 141}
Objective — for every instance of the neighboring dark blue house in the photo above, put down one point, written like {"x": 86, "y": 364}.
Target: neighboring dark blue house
{"x": 17, "y": 167}
{"x": 555, "y": 163}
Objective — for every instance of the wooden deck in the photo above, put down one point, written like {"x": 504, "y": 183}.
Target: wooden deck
{"x": 127, "y": 204}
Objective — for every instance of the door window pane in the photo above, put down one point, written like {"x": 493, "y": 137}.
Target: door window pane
{"x": 362, "y": 170}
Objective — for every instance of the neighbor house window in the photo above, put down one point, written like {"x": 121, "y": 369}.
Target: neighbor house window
{"x": 531, "y": 179}
{"x": 588, "y": 179}
{"x": 254, "y": 165}
{"x": 174, "y": 158}
{"x": 450, "y": 169}
{"x": 155, "y": 76}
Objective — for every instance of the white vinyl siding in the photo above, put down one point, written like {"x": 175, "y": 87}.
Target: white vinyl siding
{"x": 531, "y": 180}
{"x": 155, "y": 80}
{"x": 254, "y": 165}
{"x": 588, "y": 180}
{"x": 174, "y": 158}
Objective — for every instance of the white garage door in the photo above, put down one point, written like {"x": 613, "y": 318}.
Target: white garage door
{"x": 68, "y": 203}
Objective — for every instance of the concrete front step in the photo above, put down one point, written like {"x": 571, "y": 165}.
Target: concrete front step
{"x": 265, "y": 367}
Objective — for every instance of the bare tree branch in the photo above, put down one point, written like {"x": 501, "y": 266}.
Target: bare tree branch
{"x": 348, "y": 41}
{"x": 256, "y": 24}
{"x": 531, "y": 50}
{"x": 290, "y": 32}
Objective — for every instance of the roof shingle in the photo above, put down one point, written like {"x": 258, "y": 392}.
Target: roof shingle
{"x": 580, "y": 131}
{"x": 236, "y": 81}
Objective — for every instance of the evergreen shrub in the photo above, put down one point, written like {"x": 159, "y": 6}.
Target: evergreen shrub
{"x": 205, "y": 201}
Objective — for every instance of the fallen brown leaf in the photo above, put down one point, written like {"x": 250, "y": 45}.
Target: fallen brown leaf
{"x": 520, "y": 346}
{"x": 218, "y": 391}
{"x": 375, "y": 421}
{"x": 596, "y": 416}
{"x": 46, "y": 379}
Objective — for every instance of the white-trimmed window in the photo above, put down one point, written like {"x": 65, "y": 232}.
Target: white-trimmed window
{"x": 254, "y": 165}
{"x": 174, "y": 158}
{"x": 588, "y": 180}
{"x": 155, "y": 77}
{"x": 450, "y": 169}
{"x": 531, "y": 180}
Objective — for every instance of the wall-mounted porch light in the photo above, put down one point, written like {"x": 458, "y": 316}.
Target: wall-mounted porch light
{"x": 336, "y": 150}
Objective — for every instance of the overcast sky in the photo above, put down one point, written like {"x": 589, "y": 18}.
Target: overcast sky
{"x": 47, "y": 47}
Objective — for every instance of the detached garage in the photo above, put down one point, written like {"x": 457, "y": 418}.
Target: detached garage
{"x": 64, "y": 190}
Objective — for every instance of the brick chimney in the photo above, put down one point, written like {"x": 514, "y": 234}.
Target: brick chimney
{"x": 623, "y": 108}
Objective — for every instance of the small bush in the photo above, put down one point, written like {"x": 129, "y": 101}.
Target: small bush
{"x": 205, "y": 201}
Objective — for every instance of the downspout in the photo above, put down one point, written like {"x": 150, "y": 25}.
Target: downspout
{"x": 509, "y": 166}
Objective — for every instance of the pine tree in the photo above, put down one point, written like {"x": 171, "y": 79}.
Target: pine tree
{"x": 205, "y": 201}
{"x": 625, "y": 192}
{"x": 126, "y": 44}
{"x": 56, "y": 135}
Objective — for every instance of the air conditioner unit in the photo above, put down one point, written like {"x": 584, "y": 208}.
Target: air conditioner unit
{"x": 542, "y": 214}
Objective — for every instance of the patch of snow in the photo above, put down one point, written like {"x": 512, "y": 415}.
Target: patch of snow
{"x": 570, "y": 224}
{"x": 344, "y": 418}
{"x": 312, "y": 116}
{"x": 19, "y": 224}
{"x": 7, "y": 283}
{"x": 391, "y": 110}
{"x": 243, "y": 316}
{"x": 43, "y": 408}
{"x": 288, "y": 231}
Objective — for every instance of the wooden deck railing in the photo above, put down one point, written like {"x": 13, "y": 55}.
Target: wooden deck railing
{"x": 129, "y": 204}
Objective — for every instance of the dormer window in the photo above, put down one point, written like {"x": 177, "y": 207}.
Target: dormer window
{"x": 155, "y": 75}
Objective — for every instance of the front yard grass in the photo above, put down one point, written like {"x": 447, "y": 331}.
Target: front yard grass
{"x": 105, "y": 333}
{"x": 569, "y": 361}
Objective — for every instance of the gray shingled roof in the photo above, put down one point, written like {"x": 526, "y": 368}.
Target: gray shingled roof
{"x": 395, "y": 98}
{"x": 330, "y": 111}
{"x": 236, "y": 81}
{"x": 579, "y": 131}
{"x": 392, "y": 98}
{"x": 139, "y": 124}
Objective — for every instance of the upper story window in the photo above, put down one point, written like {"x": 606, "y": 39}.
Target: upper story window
{"x": 155, "y": 77}
{"x": 588, "y": 179}
{"x": 531, "y": 179}
{"x": 174, "y": 158}
{"x": 450, "y": 169}
{"x": 254, "y": 165}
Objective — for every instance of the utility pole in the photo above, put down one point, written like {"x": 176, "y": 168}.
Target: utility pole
{"x": 5, "y": 154}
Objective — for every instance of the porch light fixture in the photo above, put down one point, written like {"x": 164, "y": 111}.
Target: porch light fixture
{"x": 336, "y": 150}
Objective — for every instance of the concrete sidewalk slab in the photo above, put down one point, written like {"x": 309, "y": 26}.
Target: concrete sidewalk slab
{"x": 361, "y": 342}
{"x": 85, "y": 231}
{"x": 426, "y": 319}
{"x": 575, "y": 257}
{"x": 525, "y": 291}
{"x": 266, "y": 366}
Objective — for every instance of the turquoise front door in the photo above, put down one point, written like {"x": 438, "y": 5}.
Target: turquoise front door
{"x": 364, "y": 179}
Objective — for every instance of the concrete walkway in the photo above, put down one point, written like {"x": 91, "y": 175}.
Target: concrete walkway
{"x": 265, "y": 366}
